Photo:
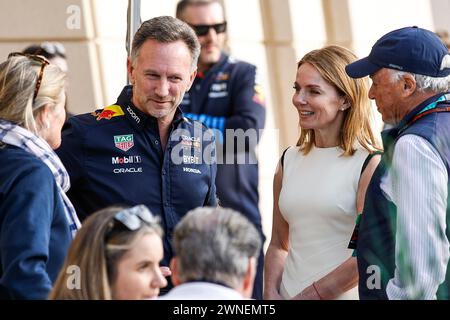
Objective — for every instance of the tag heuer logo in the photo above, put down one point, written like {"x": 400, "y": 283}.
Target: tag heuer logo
{"x": 124, "y": 142}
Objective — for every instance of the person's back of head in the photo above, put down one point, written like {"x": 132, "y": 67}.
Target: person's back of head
{"x": 106, "y": 238}
{"x": 216, "y": 245}
{"x": 47, "y": 49}
{"x": 27, "y": 84}
{"x": 52, "y": 51}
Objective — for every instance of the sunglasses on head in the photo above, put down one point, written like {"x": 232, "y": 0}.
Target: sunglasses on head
{"x": 203, "y": 29}
{"x": 36, "y": 58}
{"x": 131, "y": 219}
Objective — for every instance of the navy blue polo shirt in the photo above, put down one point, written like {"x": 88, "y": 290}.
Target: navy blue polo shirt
{"x": 114, "y": 157}
{"x": 229, "y": 97}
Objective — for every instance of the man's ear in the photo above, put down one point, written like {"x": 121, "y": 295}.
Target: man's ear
{"x": 249, "y": 278}
{"x": 409, "y": 84}
{"x": 130, "y": 70}
{"x": 174, "y": 268}
{"x": 192, "y": 78}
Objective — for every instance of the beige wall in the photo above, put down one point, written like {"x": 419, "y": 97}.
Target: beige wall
{"x": 24, "y": 22}
{"x": 273, "y": 34}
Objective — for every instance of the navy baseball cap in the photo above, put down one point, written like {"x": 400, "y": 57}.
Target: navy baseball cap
{"x": 409, "y": 49}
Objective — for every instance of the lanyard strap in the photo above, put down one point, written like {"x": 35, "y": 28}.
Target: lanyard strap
{"x": 428, "y": 109}
{"x": 420, "y": 115}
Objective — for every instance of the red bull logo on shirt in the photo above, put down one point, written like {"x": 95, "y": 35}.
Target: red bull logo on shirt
{"x": 124, "y": 142}
{"x": 222, "y": 76}
{"x": 109, "y": 112}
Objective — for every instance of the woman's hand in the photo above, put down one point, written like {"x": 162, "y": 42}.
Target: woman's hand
{"x": 309, "y": 293}
{"x": 272, "y": 296}
{"x": 165, "y": 271}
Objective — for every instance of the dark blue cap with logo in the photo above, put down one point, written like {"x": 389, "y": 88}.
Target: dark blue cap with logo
{"x": 410, "y": 49}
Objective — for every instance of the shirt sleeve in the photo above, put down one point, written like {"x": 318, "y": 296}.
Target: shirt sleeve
{"x": 27, "y": 212}
{"x": 417, "y": 184}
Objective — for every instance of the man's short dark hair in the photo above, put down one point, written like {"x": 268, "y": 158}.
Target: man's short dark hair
{"x": 166, "y": 29}
{"x": 183, "y": 4}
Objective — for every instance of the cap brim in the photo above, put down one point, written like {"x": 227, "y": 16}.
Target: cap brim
{"x": 361, "y": 68}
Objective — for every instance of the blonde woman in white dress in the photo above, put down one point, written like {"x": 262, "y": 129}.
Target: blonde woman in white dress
{"x": 319, "y": 185}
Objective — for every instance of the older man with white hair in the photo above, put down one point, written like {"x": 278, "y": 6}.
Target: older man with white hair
{"x": 216, "y": 252}
{"x": 403, "y": 246}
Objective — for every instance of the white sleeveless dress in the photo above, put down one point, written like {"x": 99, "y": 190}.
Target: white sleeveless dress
{"x": 318, "y": 201}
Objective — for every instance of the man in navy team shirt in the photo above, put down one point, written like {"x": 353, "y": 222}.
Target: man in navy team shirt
{"x": 226, "y": 96}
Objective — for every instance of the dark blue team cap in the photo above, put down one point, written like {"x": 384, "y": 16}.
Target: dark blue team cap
{"x": 409, "y": 49}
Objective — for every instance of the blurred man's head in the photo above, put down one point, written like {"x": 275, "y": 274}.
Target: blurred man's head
{"x": 54, "y": 52}
{"x": 207, "y": 19}
{"x": 216, "y": 245}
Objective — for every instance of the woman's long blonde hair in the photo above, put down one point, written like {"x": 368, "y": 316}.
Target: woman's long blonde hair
{"x": 330, "y": 62}
{"x": 18, "y": 77}
{"x": 96, "y": 252}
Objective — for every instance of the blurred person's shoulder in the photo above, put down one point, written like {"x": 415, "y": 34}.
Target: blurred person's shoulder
{"x": 240, "y": 65}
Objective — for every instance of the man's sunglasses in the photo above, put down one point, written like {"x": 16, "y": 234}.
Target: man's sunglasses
{"x": 203, "y": 29}
{"x": 43, "y": 62}
{"x": 132, "y": 219}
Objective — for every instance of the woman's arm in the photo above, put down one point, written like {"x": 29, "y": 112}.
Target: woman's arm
{"x": 335, "y": 283}
{"x": 364, "y": 181}
{"x": 278, "y": 247}
{"x": 345, "y": 276}
{"x": 27, "y": 213}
